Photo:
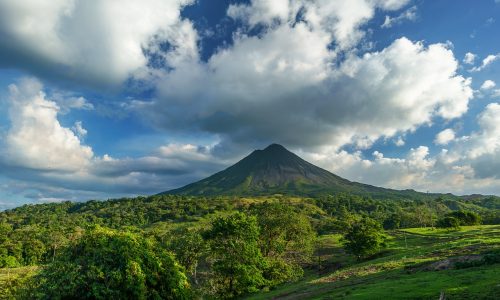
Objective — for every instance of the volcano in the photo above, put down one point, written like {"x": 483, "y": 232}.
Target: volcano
{"x": 276, "y": 170}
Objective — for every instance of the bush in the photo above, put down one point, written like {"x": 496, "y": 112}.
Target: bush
{"x": 465, "y": 218}
{"x": 364, "y": 238}
{"x": 7, "y": 261}
{"x": 449, "y": 223}
{"x": 107, "y": 264}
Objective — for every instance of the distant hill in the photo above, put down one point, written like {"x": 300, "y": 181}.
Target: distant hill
{"x": 275, "y": 170}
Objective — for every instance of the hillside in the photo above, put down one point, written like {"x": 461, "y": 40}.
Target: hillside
{"x": 33, "y": 236}
{"x": 419, "y": 263}
{"x": 275, "y": 170}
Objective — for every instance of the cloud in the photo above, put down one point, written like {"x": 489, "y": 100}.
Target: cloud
{"x": 471, "y": 166}
{"x": 399, "y": 142}
{"x": 36, "y": 139}
{"x": 98, "y": 42}
{"x": 79, "y": 130}
{"x": 488, "y": 84}
{"x": 410, "y": 14}
{"x": 339, "y": 19}
{"x": 263, "y": 86}
{"x": 410, "y": 171}
{"x": 50, "y": 161}
{"x": 469, "y": 58}
{"x": 488, "y": 60}
{"x": 445, "y": 137}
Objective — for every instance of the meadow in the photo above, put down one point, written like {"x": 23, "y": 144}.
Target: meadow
{"x": 419, "y": 263}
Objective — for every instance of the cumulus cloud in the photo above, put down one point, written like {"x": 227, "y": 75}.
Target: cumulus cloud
{"x": 488, "y": 60}
{"x": 263, "y": 86}
{"x": 36, "y": 139}
{"x": 38, "y": 152}
{"x": 291, "y": 76}
{"x": 408, "y": 15}
{"x": 469, "y": 58}
{"x": 488, "y": 84}
{"x": 445, "y": 137}
{"x": 79, "y": 130}
{"x": 340, "y": 19}
{"x": 100, "y": 42}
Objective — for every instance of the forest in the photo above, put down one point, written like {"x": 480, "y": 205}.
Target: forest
{"x": 185, "y": 247}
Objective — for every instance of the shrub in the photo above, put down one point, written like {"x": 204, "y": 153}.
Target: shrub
{"x": 365, "y": 237}
{"x": 449, "y": 223}
{"x": 107, "y": 264}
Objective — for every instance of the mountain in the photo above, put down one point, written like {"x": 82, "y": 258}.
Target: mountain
{"x": 275, "y": 170}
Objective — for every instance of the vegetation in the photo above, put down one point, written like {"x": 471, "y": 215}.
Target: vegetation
{"x": 363, "y": 238}
{"x": 107, "y": 264}
{"x": 229, "y": 247}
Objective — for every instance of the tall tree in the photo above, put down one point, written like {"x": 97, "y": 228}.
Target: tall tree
{"x": 286, "y": 240}
{"x": 234, "y": 251}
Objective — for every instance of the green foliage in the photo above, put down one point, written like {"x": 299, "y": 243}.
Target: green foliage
{"x": 234, "y": 251}
{"x": 189, "y": 247}
{"x": 449, "y": 222}
{"x": 106, "y": 264}
{"x": 286, "y": 240}
{"x": 364, "y": 238}
{"x": 465, "y": 218}
{"x": 40, "y": 234}
{"x": 7, "y": 261}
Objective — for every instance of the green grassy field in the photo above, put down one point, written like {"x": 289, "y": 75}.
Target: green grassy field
{"x": 419, "y": 263}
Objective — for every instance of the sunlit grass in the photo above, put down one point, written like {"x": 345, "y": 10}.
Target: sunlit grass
{"x": 404, "y": 270}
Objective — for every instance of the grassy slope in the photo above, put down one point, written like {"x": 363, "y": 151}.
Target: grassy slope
{"x": 403, "y": 272}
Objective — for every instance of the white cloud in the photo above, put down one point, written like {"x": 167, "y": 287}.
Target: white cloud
{"x": 399, "y": 142}
{"x": 339, "y": 19}
{"x": 381, "y": 94}
{"x": 100, "y": 42}
{"x": 36, "y": 139}
{"x": 486, "y": 62}
{"x": 445, "y": 137}
{"x": 79, "y": 130}
{"x": 410, "y": 14}
{"x": 488, "y": 84}
{"x": 487, "y": 140}
{"x": 47, "y": 157}
{"x": 469, "y": 58}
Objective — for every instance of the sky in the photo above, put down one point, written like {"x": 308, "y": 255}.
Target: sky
{"x": 116, "y": 98}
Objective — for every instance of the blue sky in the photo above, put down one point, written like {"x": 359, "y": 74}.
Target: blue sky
{"x": 103, "y": 99}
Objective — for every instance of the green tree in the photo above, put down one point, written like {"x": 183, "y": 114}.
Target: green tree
{"x": 188, "y": 246}
{"x": 364, "y": 237}
{"x": 465, "y": 218}
{"x": 234, "y": 251}
{"x": 449, "y": 223}
{"x": 107, "y": 264}
{"x": 286, "y": 241}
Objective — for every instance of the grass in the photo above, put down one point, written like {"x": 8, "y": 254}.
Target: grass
{"x": 418, "y": 264}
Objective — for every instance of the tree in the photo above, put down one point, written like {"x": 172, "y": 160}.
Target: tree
{"x": 393, "y": 221}
{"x": 465, "y": 218}
{"x": 365, "y": 237}
{"x": 188, "y": 246}
{"x": 236, "y": 258}
{"x": 449, "y": 223}
{"x": 286, "y": 241}
{"x": 107, "y": 264}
